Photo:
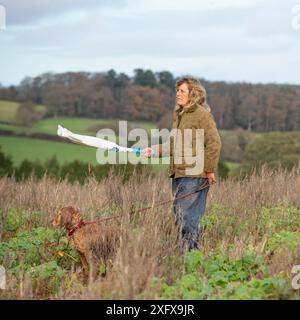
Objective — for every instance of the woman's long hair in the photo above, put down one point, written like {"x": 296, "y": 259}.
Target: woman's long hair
{"x": 197, "y": 93}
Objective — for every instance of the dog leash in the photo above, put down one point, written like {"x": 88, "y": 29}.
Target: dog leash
{"x": 82, "y": 223}
{"x": 203, "y": 186}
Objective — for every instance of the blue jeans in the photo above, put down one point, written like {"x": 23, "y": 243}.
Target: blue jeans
{"x": 189, "y": 210}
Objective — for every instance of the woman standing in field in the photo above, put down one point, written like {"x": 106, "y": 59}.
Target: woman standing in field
{"x": 194, "y": 149}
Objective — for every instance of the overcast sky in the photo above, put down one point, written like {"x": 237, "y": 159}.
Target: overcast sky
{"x": 231, "y": 40}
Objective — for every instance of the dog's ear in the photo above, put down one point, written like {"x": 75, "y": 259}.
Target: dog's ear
{"x": 66, "y": 214}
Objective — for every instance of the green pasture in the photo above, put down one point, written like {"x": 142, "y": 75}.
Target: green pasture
{"x": 8, "y": 111}
{"x": 36, "y": 149}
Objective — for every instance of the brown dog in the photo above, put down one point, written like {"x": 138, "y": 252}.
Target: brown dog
{"x": 94, "y": 241}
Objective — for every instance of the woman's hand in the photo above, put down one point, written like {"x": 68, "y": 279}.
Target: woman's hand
{"x": 148, "y": 152}
{"x": 211, "y": 177}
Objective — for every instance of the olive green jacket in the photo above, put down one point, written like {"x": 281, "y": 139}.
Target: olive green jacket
{"x": 194, "y": 144}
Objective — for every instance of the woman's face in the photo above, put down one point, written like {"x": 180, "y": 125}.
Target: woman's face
{"x": 182, "y": 95}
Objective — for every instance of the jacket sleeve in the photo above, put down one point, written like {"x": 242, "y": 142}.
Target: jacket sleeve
{"x": 212, "y": 143}
{"x": 164, "y": 149}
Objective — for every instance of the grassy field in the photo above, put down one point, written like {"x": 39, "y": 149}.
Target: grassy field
{"x": 8, "y": 110}
{"x": 27, "y": 148}
{"x": 36, "y": 149}
{"x": 78, "y": 125}
{"x": 250, "y": 240}
{"x": 84, "y": 125}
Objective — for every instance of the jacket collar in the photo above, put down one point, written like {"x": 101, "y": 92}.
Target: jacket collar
{"x": 180, "y": 110}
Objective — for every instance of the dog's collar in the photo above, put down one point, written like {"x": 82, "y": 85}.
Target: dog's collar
{"x": 77, "y": 226}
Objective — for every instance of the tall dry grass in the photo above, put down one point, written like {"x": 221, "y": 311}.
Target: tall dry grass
{"x": 150, "y": 247}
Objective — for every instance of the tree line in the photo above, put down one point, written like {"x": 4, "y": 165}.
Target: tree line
{"x": 149, "y": 95}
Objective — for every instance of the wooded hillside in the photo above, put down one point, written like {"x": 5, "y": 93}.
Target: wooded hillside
{"x": 150, "y": 96}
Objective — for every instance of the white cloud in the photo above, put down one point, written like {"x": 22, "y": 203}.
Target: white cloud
{"x": 229, "y": 40}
